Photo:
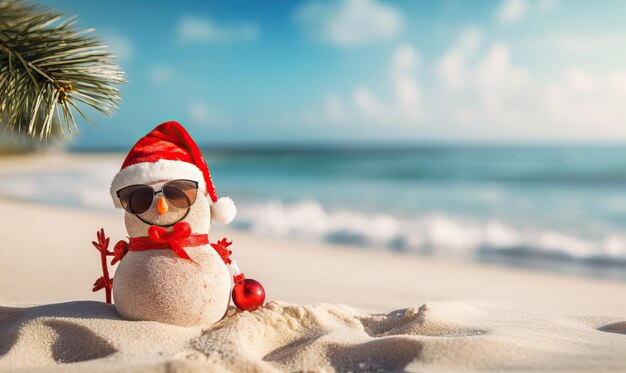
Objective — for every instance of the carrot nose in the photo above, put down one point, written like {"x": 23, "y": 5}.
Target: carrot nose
{"x": 162, "y": 207}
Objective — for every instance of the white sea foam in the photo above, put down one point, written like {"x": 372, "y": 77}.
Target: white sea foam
{"x": 78, "y": 187}
{"x": 427, "y": 233}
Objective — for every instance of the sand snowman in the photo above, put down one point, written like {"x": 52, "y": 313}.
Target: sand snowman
{"x": 168, "y": 270}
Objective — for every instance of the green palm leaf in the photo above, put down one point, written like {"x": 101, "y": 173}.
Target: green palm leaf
{"x": 46, "y": 65}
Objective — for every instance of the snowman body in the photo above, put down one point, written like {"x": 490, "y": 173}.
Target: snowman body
{"x": 158, "y": 285}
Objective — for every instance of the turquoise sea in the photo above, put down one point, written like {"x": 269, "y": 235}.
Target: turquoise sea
{"x": 541, "y": 207}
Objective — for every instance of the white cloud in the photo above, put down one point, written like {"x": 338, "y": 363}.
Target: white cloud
{"x": 403, "y": 103}
{"x": 160, "y": 74}
{"x": 193, "y": 29}
{"x": 482, "y": 92}
{"x": 547, "y": 6}
{"x": 497, "y": 78}
{"x": 482, "y": 89}
{"x": 368, "y": 106}
{"x": 580, "y": 81}
{"x": 452, "y": 68}
{"x": 588, "y": 104}
{"x": 500, "y": 98}
{"x": 512, "y": 11}
{"x": 349, "y": 23}
{"x": 608, "y": 44}
{"x": 119, "y": 45}
{"x": 408, "y": 93}
{"x": 201, "y": 114}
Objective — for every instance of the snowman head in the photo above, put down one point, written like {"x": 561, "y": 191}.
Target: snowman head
{"x": 163, "y": 180}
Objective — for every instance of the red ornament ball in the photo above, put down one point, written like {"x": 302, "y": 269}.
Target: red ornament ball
{"x": 248, "y": 294}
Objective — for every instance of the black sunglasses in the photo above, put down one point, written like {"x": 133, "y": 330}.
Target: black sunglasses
{"x": 138, "y": 198}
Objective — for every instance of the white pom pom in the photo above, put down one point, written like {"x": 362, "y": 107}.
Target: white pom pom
{"x": 223, "y": 210}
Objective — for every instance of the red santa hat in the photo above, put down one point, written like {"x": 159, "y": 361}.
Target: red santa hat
{"x": 167, "y": 153}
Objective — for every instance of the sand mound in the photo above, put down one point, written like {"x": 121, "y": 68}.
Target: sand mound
{"x": 442, "y": 335}
{"x": 322, "y": 337}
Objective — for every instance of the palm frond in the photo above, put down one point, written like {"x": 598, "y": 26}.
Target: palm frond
{"x": 47, "y": 65}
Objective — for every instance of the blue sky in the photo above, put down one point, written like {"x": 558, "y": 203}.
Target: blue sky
{"x": 364, "y": 70}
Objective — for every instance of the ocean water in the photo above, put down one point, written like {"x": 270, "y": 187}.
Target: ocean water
{"x": 547, "y": 208}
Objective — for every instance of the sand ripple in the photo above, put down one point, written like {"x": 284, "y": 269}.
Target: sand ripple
{"x": 79, "y": 336}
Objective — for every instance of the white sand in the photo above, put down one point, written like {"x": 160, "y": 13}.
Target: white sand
{"x": 423, "y": 314}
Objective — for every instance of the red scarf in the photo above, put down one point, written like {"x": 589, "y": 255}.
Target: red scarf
{"x": 158, "y": 238}
{"x": 176, "y": 240}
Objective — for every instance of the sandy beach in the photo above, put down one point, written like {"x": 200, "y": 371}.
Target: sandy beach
{"x": 346, "y": 186}
{"x": 329, "y": 308}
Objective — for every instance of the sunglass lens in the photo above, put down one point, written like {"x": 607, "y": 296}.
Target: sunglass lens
{"x": 136, "y": 199}
{"x": 181, "y": 193}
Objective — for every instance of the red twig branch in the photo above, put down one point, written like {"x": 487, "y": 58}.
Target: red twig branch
{"x": 105, "y": 282}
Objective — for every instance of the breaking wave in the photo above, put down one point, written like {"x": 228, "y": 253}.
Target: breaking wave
{"x": 426, "y": 234}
